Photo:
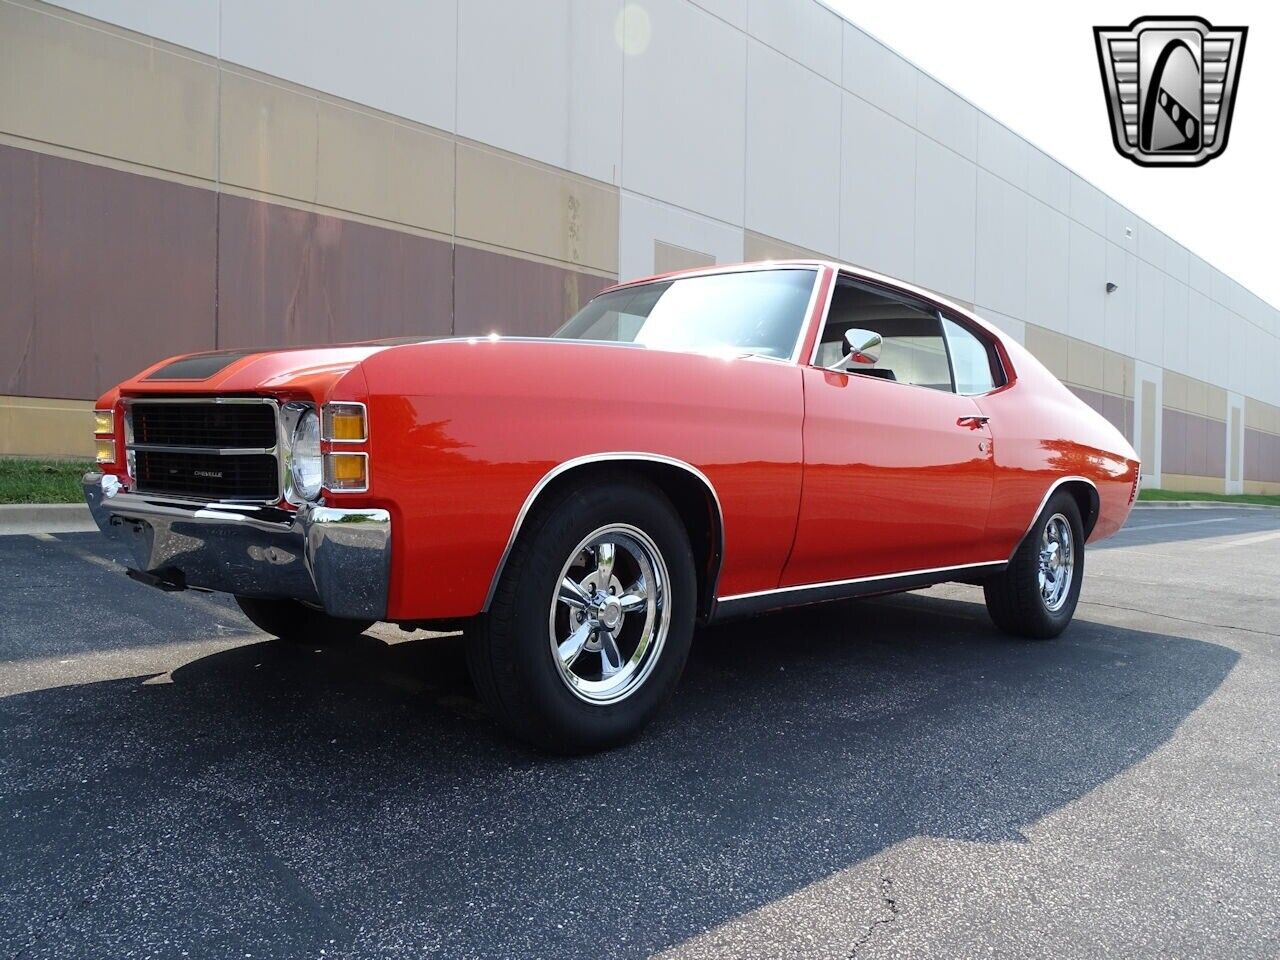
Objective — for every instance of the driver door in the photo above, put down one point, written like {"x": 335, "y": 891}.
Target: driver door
{"x": 898, "y": 466}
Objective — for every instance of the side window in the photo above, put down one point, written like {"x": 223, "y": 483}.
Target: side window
{"x": 914, "y": 350}
{"x": 976, "y": 368}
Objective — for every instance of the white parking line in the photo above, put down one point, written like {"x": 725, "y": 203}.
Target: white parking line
{"x": 1180, "y": 523}
{"x": 1245, "y": 541}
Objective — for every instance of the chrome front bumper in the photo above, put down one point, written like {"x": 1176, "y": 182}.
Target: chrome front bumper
{"x": 337, "y": 559}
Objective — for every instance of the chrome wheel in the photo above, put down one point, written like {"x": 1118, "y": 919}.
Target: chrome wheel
{"x": 1057, "y": 562}
{"x": 609, "y": 616}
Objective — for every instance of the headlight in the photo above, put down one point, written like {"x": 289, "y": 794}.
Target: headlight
{"x": 305, "y": 463}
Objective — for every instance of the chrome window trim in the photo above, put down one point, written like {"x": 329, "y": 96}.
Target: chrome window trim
{"x": 816, "y": 267}
{"x": 610, "y": 457}
{"x": 279, "y": 451}
{"x": 803, "y": 335}
{"x": 364, "y": 411}
{"x": 1045, "y": 499}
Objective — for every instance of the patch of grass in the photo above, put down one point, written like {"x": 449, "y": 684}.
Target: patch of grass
{"x": 41, "y": 481}
{"x": 1269, "y": 500}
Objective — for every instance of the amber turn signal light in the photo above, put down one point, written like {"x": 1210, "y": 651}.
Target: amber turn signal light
{"x": 345, "y": 422}
{"x": 346, "y": 472}
{"x": 104, "y": 421}
{"x": 104, "y": 450}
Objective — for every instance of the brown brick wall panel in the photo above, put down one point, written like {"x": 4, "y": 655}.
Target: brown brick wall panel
{"x": 289, "y": 276}
{"x": 1118, "y": 411}
{"x": 1261, "y": 456}
{"x": 103, "y": 273}
{"x": 495, "y": 292}
{"x": 1215, "y": 448}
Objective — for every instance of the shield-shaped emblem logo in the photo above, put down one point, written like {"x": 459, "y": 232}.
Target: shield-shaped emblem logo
{"x": 1170, "y": 84}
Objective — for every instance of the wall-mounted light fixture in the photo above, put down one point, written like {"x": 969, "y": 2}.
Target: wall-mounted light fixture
{"x": 1111, "y": 287}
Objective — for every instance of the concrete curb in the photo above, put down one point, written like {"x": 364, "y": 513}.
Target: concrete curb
{"x": 20, "y": 518}
{"x": 1201, "y": 505}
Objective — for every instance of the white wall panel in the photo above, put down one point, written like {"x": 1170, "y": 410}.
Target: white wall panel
{"x": 804, "y": 30}
{"x": 1088, "y": 205}
{"x": 1122, "y": 226}
{"x": 793, "y": 120}
{"x": 543, "y": 80}
{"x": 1048, "y": 259}
{"x": 946, "y": 117}
{"x": 1237, "y": 352}
{"x": 1153, "y": 245}
{"x": 878, "y": 75}
{"x": 641, "y": 221}
{"x": 684, "y": 112}
{"x": 1152, "y": 374}
{"x": 1200, "y": 275}
{"x": 1176, "y": 261}
{"x": 1002, "y": 151}
{"x": 877, "y": 190}
{"x": 191, "y": 23}
{"x": 1087, "y": 277}
{"x": 1001, "y": 246}
{"x": 1010, "y": 325}
{"x": 1048, "y": 180}
{"x": 1119, "y": 308}
{"x": 1151, "y": 319}
{"x": 1221, "y": 285}
{"x": 1174, "y": 340}
{"x": 395, "y": 55}
{"x": 731, "y": 11}
{"x": 946, "y": 201}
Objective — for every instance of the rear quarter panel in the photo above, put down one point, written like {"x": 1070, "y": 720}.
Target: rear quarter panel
{"x": 462, "y": 431}
{"x": 1041, "y": 433}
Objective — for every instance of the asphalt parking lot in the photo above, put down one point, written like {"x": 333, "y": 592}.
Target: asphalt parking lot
{"x": 887, "y": 778}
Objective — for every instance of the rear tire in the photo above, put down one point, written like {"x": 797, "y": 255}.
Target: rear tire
{"x": 1036, "y": 595}
{"x": 591, "y": 623}
{"x": 295, "y": 622}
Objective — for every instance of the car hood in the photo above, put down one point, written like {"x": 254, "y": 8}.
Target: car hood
{"x": 310, "y": 369}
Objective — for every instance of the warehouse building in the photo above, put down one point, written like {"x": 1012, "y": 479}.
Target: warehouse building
{"x": 229, "y": 173}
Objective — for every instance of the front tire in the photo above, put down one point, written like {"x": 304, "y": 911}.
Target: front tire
{"x": 295, "y": 622}
{"x": 591, "y": 624}
{"x": 1036, "y": 595}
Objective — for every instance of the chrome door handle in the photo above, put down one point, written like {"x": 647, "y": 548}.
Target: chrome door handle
{"x": 972, "y": 422}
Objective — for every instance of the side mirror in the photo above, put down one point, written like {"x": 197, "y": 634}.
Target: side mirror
{"x": 861, "y": 347}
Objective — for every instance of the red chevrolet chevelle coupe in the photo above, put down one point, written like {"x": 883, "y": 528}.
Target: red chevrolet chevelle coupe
{"x": 687, "y": 448}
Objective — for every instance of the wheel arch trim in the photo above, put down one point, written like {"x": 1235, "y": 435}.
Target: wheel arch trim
{"x": 620, "y": 456}
{"x": 1091, "y": 522}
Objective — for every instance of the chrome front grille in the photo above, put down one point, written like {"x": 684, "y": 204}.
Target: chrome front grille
{"x": 224, "y": 448}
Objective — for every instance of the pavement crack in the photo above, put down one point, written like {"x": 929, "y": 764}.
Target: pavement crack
{"x": 86, "y": 900}
{"x": 1165, "y": 616}
{"x": 889, "y": 903}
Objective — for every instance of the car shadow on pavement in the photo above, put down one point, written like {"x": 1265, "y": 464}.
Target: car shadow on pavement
{"x": 273, "y": 800}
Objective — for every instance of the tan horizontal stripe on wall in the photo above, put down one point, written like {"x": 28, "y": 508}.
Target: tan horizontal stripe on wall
{"x": 521, "y": 205}
{"x": 105, "y": 95}
{"x": 1192, "y": 483}
{"x": 1262, "y": 487}
{"x": 1261, "y": 416}
{"x": 670, "y": 256}
{"x": 1194, "y": 396}
{"x": 106, "y": 91}
{"x": 45, "y": 428}
{"x": 759, "y": 246}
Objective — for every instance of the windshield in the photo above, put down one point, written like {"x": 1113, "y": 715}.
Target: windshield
{"x": 759, "y": 312}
